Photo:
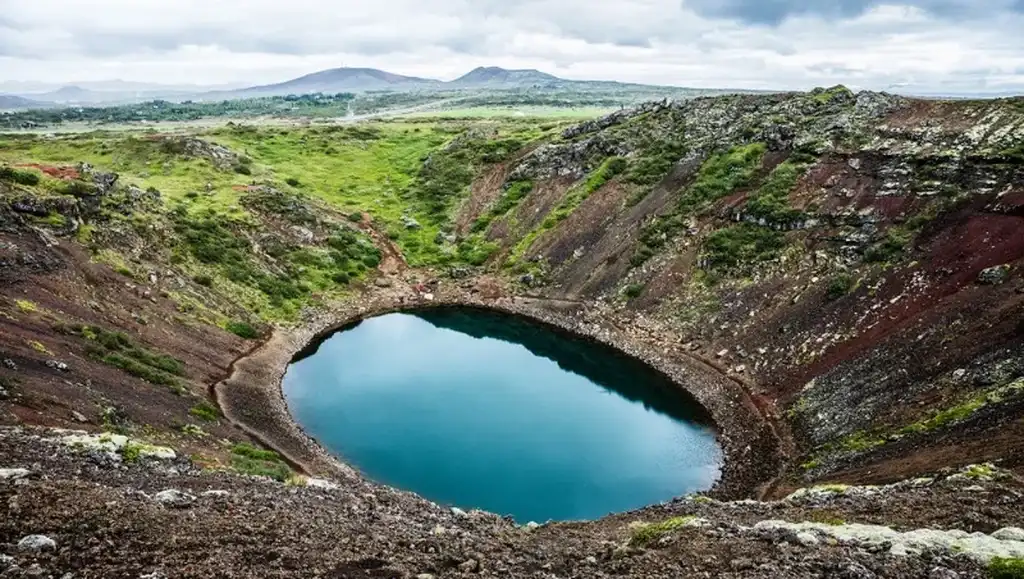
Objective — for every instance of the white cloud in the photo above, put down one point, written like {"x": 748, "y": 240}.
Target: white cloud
{"x": 943, "y": 45}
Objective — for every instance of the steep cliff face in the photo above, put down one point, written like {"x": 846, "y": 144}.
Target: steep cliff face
{"x": 857, "y": 257}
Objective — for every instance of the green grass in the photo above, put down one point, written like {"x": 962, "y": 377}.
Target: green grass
{"x": 891, "y": 247}
{"x": 633, "y": 290}
{"x": 741, "y": 248}
{"x": 966, "y": 409}
{"x": 605, "y": 172}
{"x": 654, "y": 162}
{"x": 30, "y": 178}
{"x": 248, "y": 459}
{"x": 205, "y": 411}
{"x": 643, "y": 534}
{"x": 242, "y": 330}
{"x": 1003, "y": 568}
{"x": 867, "y": 440}
{"x": 511, "y": 195}
{"x": 839, "y": 286}
{"x": 770, "y": 202}
{"x": 719, "y": 176}
{"x": 118, "y": 350}
{"x": 514, "y": 112}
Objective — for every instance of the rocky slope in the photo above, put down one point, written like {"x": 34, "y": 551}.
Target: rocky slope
{"x": 835, "y": 276}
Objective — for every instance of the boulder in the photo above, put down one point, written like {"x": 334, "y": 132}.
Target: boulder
{"x": 37, "y": 543}
{"x": 994, "y": 275}
{"x": 174, "y": 498}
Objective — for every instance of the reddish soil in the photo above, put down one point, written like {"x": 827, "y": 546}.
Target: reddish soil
{"x": 77, "y": 291}
{"x": 66, "y": 173}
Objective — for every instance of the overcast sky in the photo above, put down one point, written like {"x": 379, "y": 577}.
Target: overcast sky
{"x": 922, "y": 45}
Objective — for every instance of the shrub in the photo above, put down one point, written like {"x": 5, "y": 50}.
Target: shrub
{"x": 655, "y": 162}
{"x": 250, "y": 460}
{"x": 839, "y": 286}
{"x": 342, "y": 278}
{"x": 633, "y": 290}
{"x": 722, "y": 174}
{"x": 205, "y": 411}
{"x": 739, "y": 247}
{"x": 275, "y": 470}
{"x": 609, "y": 168}
{"x": 78, "y": 189}
{"x": 292, "y": 181}
{"x": 138, "y": 369}
{"x": 890, "y": 248}
{"x": 242, "y": 330}
{"x": 355, "y": 216}
{"x": 21, "y": 177}
{"x": 243, "y": 170}
{"x": 646, "y": 533}
{"x": 250, "y": 451}
{"x": 117, "y": 349}
{"x": 26, "y": 306}
{"x": 1003, "y": 568}
{"x": 203, "y": 280}
{"x": 771, "y": 201}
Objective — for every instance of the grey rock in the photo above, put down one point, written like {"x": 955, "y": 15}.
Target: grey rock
{"x": 218, "y": 494}
{"x": 174, "y": 498}
{"x": 9, "y": 364}
{"x": 13, "y": 473}
{"x": 943, "y": 573}
{"x": 410, "y": 223}
{"x": 37, "y": 543}
{"x": 424, "y": 576}
{"x": 78, "y": 416}
{"x": 806, "y": 539}
{"x": 58, "y": 365}
{"x": 1009, "y": 534}
{"x": 994, "y": 275}
{"x": 470, "y": 566}
{"x": 741, "y": 564}
{"x": 460, "y": 513}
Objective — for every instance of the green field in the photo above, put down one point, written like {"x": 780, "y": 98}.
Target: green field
{"x": 516, "y": 112}
{"x": 408, "y": 175}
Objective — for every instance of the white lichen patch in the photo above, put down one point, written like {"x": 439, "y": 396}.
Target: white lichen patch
{"x": 979, "y": 546}
{"x": 117, "y": 446}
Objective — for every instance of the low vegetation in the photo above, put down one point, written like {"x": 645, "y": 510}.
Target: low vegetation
{"x": 118, "y": 350}
{"x": 243, "y": 330}
{"x": 18, "y": 176}
{"x": 205, "y": 411}
{"x": 644, "y": 534}
{"x": 1004, "y": 568}
{"x": 511, "y": 195}
{"x": 719, "y": 176}
{"x": 248, "y": 459}
{"x": 741, "y": 248}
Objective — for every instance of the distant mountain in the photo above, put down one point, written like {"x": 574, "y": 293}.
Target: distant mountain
{"x": 333, "y": 81}
{"x": 10, "y": 102}
{"x": 496, "y": 77}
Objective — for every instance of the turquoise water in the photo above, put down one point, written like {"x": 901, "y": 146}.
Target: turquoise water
{"x": 481, "y": 410}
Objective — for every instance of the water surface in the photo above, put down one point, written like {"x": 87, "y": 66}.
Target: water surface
{"x": 482, "y": 410}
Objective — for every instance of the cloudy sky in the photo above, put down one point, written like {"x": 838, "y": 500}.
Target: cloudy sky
{"x": 949, "y": 46}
